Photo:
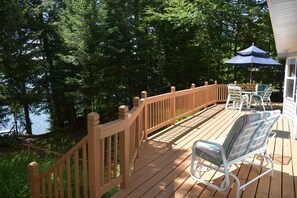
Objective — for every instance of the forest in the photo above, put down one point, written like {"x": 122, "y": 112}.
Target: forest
{"x": 71, "y": 57}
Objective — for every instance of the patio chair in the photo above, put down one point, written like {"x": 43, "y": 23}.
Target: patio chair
{"x": 247, "y": 137}
{"x": 260, "y": 88}
{"x": 235, "y": 95}
{"x": 261, "y": 98}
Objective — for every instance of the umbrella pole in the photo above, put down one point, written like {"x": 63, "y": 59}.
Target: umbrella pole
{"x": 251, "y": 69}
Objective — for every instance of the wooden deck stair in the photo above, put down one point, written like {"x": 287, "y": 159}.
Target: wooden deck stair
{"x": 162, "y": 170}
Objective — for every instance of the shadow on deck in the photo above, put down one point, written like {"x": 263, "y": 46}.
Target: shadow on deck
{"x": 162, "y": 170}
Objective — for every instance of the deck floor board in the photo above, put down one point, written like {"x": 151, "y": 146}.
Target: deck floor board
{"x": 162, "y": 170}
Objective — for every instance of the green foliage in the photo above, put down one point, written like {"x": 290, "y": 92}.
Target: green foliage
{"x": 9, "y": 142}
{"x": 218, "y": 29}
{"x": 72, "y": 57}
{"x": 60, "y": 141}
{"x": 20, "y": 67}
{"x": 14, "y": 177}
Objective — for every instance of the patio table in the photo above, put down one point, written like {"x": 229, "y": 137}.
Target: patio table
{"x": 249, "y": 93}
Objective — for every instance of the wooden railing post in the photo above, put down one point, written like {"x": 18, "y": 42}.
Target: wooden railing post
{"x": 143, "y": 98}
{"x": 207, "y": 94}
{"x": 124, "y": 147}
{"x": 216, "y": 92}
{"x": 193, "y": 97}
{"x": 34, "y": 180}
{"x": 136, "y": 103}
{"x": 173, "y": 105}
{"x": 94, "y": 159}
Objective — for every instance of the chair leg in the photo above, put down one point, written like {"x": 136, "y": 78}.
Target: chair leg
{"x": 228, "y": 100}
{"x": 240, "y": 105}
{"x": 262, "y": 102}
{"x": 198, "y": 168}
{"x": 270, "y": 103}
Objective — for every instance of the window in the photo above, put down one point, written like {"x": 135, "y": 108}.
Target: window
{"x": 290, "y": 91}
{"x": 291, "y": 68}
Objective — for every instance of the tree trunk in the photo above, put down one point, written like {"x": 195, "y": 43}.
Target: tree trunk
{"x": 28, "y": 123}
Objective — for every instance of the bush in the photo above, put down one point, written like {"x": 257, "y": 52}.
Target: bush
{"x": 14, "y": 173}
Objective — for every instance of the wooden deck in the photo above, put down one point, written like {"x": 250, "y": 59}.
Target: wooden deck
{"x": 162, "y": 170}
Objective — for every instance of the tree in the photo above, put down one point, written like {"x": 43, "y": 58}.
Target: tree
{"x": 19, "y": 55}
{"x": 219, "y": 29}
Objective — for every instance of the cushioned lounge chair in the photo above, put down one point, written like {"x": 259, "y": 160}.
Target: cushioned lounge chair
{"x": 247, "y": 137}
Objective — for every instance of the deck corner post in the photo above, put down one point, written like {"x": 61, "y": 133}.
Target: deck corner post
{"x": 173, "y": 105}
{"x": 124, "y": 147}
{"x": 94, "y": 158}
{"x": 34, "y": 179}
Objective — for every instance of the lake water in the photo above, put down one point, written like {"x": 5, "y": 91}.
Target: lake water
{"x": 40, "y": 124}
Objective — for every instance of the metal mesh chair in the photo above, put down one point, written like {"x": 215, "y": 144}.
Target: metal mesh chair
{"x": 261, "y": 98}
{"x": 235, "y": 95}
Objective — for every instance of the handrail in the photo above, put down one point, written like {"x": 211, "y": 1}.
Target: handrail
{"x": 29, "y": 146}
{"x": 105, "y": 157}
{"x": 51, "y": 182}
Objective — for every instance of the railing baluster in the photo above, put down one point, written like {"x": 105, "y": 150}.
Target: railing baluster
{"x": 61, "y": 189}
{"x": 102, "y": 160}
{"x": 138, "y": 131}
{"x": 85, "y": 169}
{"x": 76, "y": 175}
{"x": 43, "y": 188}
{"x": 49, "y": 183}
{"x": 108, "y": 165}
{"x": 115, "y": 155}
{"x": 56, "y": 183}
{"x": 68, "y": 173}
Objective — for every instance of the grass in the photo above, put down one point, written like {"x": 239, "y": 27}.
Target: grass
{"x": 14, "y": 161}
{"x": 14, "y": 173}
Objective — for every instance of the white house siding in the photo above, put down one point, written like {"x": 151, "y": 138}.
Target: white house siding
{"x": 283, "y": 15}
{"x": 289, "y": 109}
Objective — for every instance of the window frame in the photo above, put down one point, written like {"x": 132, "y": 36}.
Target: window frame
{"x": 290, "y": 79}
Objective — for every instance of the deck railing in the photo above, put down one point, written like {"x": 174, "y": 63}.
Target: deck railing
{"x": 105, "y": 157}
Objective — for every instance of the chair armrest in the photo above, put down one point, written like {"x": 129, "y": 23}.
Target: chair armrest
{"x": 256, "y": 96}
{"x": 208, "y": 151}
{"x": 245, "y": 97}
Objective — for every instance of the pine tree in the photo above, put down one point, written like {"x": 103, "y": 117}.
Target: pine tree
{"x": 19, "y": 55}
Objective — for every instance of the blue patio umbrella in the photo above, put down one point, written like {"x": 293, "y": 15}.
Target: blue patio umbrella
{"x": 252, "y": 56}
